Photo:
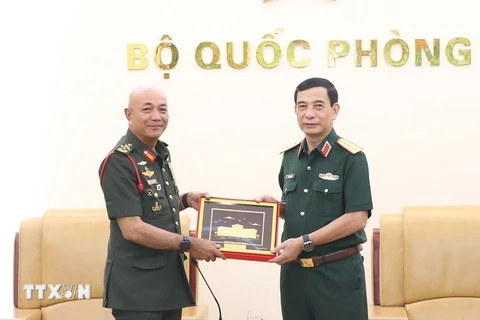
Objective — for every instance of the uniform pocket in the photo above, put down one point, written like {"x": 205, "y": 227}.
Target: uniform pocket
{"x": 344, "y": 277}
{"x": 149, "y": 262}
{"x": 329, "y": 196}
{"x": 289, "y": 186}
{"x": 154, "y": 205}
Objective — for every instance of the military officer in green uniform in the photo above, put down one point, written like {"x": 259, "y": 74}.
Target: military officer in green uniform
{"x": 326, "y": 202}
{"x": 144, "y": 274}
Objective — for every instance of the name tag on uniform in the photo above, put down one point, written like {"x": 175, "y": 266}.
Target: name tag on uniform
{"x": 290, "y": 176}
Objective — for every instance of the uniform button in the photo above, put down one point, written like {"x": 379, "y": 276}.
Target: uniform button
{"x": 170, "y": 196}
{"x": 155, "y": 195}
{"x": 163, "y": 169}
{"x": 309, "y": 168}
{"x": 302, "y": 213}
{"x": 174, "y": 210}
{"x": 166, "y": 182}
{"x": 326, "y": 190}
{"x": 305, "y": 190}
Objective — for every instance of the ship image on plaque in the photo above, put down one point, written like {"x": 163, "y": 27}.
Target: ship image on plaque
{"x": 244, "y": 229}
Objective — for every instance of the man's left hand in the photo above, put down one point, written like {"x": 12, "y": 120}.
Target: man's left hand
{"x": 291, "y": 249}
{"x": 193, "y": 198}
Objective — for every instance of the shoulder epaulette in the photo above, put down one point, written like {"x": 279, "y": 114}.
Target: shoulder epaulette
{"x": 349, "y": 146}
{"x": 291, "y": 147}
{"x": 125, "y": 148}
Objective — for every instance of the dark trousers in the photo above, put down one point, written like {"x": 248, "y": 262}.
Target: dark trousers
{"x": 331, "y": 291}
{"x": 147, "y": 315}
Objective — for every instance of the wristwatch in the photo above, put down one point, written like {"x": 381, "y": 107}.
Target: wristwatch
{"x": 307, "y": 243}
{"x": 185, "y": 244}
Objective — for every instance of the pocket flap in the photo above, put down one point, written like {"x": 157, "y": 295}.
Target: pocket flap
{"x": 327, "y": 187}
{"x": 289, "y": 185}
{"x": 149, "y": 262}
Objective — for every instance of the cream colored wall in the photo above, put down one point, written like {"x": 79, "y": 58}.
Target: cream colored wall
{"x": 67, "y": 82}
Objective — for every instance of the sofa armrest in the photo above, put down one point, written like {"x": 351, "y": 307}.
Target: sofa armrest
{"x": 386, "y": 313}
{"x": 198, "y": 312}
{"x": 27, "y": 314}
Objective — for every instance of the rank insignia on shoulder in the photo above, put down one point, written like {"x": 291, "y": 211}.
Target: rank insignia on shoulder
{"x": 125, "y": 148}
{"x": 291, "y": 147}
{"x": 349, "y": 146}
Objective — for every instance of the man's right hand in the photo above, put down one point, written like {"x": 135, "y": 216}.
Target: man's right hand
{"x": 202, "y": 249}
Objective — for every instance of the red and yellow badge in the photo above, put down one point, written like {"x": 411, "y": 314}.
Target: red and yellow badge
{"x": 149, "y": 155}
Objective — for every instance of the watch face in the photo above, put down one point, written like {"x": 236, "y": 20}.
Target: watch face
{"x": 185, "y": 245}
{"x": 308, "y": 246}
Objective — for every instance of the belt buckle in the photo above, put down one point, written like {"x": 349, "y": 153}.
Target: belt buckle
{"x": 306, "y": 262}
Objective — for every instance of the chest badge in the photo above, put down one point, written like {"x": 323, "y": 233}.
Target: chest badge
{"x": 148, "y": 173}
{"x": 156, "y": 207}
{"x": 328, "y": 176}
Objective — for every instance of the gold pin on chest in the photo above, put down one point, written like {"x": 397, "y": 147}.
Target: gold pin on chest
{"x": 156, "y": 207}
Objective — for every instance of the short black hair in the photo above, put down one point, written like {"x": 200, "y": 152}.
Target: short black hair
{"x": 318, "y": 82}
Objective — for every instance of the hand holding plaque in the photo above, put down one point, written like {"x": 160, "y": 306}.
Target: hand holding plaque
{"x": 245, "y": 230}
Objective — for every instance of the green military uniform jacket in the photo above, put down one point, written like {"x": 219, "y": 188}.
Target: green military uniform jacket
{"x": 318, "y": 188}
{"x": 137, "y": 277}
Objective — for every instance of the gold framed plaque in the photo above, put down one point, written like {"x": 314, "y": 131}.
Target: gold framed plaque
{"x": 244, "y": 229}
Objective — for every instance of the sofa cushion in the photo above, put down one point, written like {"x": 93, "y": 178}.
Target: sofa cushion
{"x": 441, "y": 259}
{"x": 74, "y": 249}
{"x": 445, "y": 309}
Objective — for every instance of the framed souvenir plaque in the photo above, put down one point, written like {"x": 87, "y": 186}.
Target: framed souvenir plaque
{"x": 244, "y": 229}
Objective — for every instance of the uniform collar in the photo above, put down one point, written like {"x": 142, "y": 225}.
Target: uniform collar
{"x": 147, "y": 152}
{"x": 323, "y": 148}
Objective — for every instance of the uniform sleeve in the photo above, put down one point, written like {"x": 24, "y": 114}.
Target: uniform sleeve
{"x": 119, "y": 187}
{"x": 358, "y": 196}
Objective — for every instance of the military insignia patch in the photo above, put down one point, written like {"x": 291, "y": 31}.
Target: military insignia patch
{"x": 291, "y": 147}
{"x": 156, "y": 207}
{"x": 328, "y": 176}
{"x": 347, "y": 145}
{"x": 326, "y": 149}
{"x": 149, "y": 155}
{"x": 125, "y": 148}
{"x": 148, "y": 173}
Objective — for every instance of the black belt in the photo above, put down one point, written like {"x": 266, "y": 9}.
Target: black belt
{"x": 330, "y": 257}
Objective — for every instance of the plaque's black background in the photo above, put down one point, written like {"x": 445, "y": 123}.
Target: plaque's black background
{"x": 249, "y": 220}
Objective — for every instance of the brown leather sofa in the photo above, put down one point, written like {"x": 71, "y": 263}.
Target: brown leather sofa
{"x": 426, "y": 264}
{"x": 69, "y": 247}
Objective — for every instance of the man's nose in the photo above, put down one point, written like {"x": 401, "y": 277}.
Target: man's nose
{"x": 310, "y": 114}
{"x": 156, "y": 115}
